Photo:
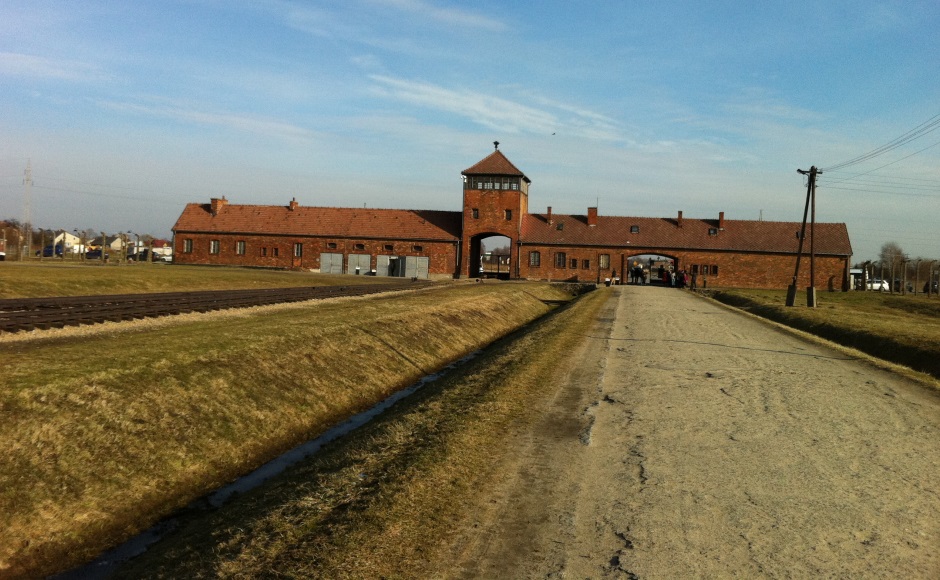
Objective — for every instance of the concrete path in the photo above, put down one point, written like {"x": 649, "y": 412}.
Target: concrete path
{"x": 714, "y": 445}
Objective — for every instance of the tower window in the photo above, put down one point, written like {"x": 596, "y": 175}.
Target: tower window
{"x": 476, "y": 213}
{"x": 508, "y": 214}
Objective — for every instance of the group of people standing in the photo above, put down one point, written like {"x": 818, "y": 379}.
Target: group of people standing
{"x": 681, "y": 279}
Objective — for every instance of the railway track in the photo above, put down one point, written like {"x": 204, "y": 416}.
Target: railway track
{"x": 18, "y": 314}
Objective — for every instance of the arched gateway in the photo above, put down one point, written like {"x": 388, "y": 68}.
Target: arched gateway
{"x": 446, "y": 244}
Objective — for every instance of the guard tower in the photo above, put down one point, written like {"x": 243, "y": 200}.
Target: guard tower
{"x": 495, "y": 199}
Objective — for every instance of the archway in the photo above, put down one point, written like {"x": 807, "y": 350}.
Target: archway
{"x": 652, "y": 268}
{"x": 491, "y": 256}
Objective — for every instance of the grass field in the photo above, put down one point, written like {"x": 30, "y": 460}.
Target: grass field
{"x": 34, "y": 279}
{"x": 900, "y": 329}
{"x": 381, "y": 502}
{"x": 103, "y": 434}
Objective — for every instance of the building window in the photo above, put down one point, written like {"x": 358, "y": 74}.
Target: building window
{"x": 213, "y": 246}
{"x": 695, "y": 268}
{"x": 187, "y": 246}
{"x": 604, "y": 261}
{"x": 276, "y": 252}
{"x": 634, "y": 229}
{"x": 264, "y": 252}
{"x": 705, "y": 269}
{"x": 574, "y": 263}
{"x": 331, "y": 245}
{"x": 298, "y": 250}
{"x": 714, "y": 270}
{"x": 561, "y": 260}
{"x": 418, "y": 248}
{"x": 585, "y": 264}
{"x": 508, "y": 214}
{"x": 560, "y": 226}
{"x": 476, "y": 213}
{"x": 714, "y": 232}
{"x": 535, "y": 259}
{"x": 389, "y": 247}
{"x": 240, "y": 247}
{"x": 360, "y": 246}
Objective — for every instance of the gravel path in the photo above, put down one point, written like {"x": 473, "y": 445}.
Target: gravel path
{"x": 693, "y": 441}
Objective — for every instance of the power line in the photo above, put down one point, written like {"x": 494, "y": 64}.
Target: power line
{"x": 887, "y": 164}
{"x": 885, "y": 191}
{"x": 928, "y": 126}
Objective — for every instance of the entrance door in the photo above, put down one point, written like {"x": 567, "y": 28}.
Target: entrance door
{"x": 359, "y": 264}
{"x": 331, "y": 263}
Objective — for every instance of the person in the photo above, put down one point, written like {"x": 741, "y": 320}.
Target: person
{"x": 662, "y": 273}
{"x": 694, "y": 279}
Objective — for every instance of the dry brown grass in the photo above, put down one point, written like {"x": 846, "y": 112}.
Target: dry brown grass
{"x": 383, "y": 502}
{"x": 33, "y": 279}
{"x": 103, "y": 435}
{"x": 900, "y": 329}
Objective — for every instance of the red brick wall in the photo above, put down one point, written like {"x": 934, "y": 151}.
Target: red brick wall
{"x": 734, "y": 269}
{"x": 442, "y": 255}
{"x": 491, "y": 206}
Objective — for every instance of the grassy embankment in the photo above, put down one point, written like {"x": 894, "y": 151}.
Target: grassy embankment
{"x": 388, "y": 500}
{"x": 900, "y": 329}
{"x": 103, "y": 435}
{"x": 33, "y": 280}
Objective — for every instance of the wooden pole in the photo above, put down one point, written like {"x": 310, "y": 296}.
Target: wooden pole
{"x": 791, "y": 289}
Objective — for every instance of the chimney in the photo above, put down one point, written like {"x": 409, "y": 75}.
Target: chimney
{"x": 679, "y": 219}
{"x": 721, "y": 220}
{"x": 549, "y": 215}
{"x": 216, "y": 204}
{"x": 293, "y": 204}
{"x": 592, "y": 216}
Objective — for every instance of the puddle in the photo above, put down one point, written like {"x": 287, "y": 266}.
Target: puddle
{"x": 109, "y": 561}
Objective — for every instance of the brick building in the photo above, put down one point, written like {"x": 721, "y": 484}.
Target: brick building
{"x": 435, "y": 244}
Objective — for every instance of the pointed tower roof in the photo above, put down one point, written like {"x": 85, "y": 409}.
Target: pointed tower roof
{"x": 495, "y": 164}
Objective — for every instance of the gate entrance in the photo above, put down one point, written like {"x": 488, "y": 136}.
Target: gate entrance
{"x": 491, "y": 257}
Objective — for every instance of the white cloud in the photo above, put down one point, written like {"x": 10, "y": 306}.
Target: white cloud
{"x": 449, "y": 16}
{"x": 499, "y": 112}
{"x": 248, "y": 124}
{"x": 29, "y": 65}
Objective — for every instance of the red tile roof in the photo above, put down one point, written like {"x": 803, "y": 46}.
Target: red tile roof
{"x": 665, "y": 234}
{"x": 495, "y": 164}
{"x": 380, "y": 224}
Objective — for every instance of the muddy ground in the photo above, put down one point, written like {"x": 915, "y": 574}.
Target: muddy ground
{"x": 690, "y": 440}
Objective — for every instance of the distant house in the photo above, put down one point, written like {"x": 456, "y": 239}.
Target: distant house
{"x": 162, "y": 247}
{"x": 547, "y": 246}
{"x": 70, "y": 243}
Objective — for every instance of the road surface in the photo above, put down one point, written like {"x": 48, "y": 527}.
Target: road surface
{"x": 689, "y": 440}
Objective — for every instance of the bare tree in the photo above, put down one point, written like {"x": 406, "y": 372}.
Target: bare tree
{"x": 891, "y": 257}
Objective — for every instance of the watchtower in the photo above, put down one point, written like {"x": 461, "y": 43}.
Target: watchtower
{"x": 495, "y": 199}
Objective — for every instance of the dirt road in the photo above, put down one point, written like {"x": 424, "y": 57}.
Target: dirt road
{"x": 692, "y": 441}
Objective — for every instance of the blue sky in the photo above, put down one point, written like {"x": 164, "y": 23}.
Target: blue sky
{"x": 128, "y": 110}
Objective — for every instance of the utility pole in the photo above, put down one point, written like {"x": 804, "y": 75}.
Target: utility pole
{"x": 27, "y": 218}
{"x": 810, "y": 197}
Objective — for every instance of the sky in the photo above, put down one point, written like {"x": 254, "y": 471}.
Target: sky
{"x": 126, "y": 111}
